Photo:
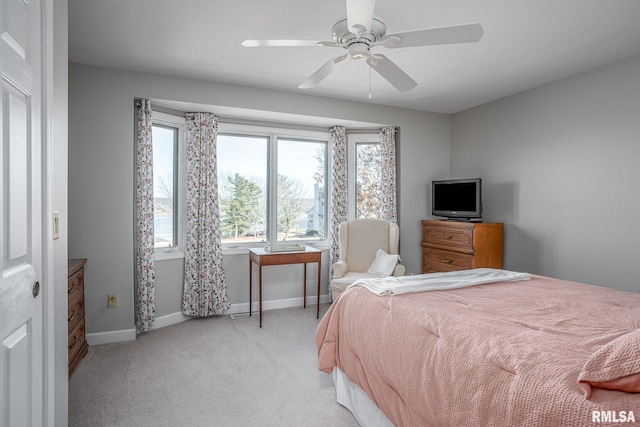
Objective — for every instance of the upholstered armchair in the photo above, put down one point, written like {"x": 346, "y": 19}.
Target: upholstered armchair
{"x": 359, "y": 243}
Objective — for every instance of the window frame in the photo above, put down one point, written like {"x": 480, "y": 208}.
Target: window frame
{"x": 353, "y": 140}
{"x": 179, "y": 185}
{"x": 274, "y": 133}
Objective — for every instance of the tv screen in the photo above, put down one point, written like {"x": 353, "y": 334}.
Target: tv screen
{"x": 457, "y": 198}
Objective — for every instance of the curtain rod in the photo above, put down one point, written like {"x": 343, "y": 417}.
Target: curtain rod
{"x": 254, "y": 122}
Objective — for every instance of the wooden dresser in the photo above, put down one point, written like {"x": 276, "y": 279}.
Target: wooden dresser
{"x": 450, "y": 245}
{"x": 78, "y": 346}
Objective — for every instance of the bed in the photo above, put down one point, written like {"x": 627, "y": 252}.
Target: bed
{"x": 524, "y": 351}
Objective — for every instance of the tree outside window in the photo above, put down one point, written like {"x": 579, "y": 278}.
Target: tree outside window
{"x": 165, "y": 162}
{"x": 271, "y": 188}
{"x": 368, "y": 181}
{"x": 301, "y": 203}
{"x": 242, "y": 174}
{"x": 242, "y": 208}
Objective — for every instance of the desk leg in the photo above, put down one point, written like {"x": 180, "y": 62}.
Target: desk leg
{"x": 250, "y": 284}
{"x": 260, "y": 295}
{"x": 305, "y": 286}
{"x": 318, "y": 301}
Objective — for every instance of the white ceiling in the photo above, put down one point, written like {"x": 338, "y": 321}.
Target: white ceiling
{"x": 526, "y": 43}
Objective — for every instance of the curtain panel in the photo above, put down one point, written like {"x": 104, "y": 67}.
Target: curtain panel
{"x": 145, "y": 264}
{"x": 339, "y": 207}
{"x": 205, "y": 288}
{"x": 388, "y": 145}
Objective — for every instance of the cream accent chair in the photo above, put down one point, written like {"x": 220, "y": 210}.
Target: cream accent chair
{"x": 359, "y": 241}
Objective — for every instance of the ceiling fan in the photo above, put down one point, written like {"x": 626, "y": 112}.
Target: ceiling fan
{"x": 361, "y": 31}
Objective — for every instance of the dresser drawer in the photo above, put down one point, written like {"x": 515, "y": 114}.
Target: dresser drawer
{"x": 75, "y": 288}
{"x": 434, "y": 260}
{"x": 76, "y": 340}
{"x": 76, "y": 312}
{"x": 455, "y": 237}
{"x": 451, "y": 245}
{"x": 78, "y": 346}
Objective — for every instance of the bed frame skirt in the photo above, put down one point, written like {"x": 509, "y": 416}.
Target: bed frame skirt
{"x": 349, "y": 395}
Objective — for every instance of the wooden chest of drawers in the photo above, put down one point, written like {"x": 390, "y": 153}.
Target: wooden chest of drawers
{"x": 78, "y": 346}
{"x": 450, "y": 246}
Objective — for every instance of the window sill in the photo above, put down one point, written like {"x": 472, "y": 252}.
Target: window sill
{"x": 244, "y": 249}
{"x": 233, "y": 250}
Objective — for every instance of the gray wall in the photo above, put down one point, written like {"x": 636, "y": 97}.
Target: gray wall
{"x": 101, "y": 180}
{"x": 558, "y": 164}
{"x": 560, "y": 168}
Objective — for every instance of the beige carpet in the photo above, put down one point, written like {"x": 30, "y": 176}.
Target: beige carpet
{"x": 210, "y": 372}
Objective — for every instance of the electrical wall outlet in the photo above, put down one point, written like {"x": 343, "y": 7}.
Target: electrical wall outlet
{"x": 112, "y": 300}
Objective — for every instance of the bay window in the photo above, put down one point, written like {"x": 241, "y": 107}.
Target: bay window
{"x": 272, "y": 183}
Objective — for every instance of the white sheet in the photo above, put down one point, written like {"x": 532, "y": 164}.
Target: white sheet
{"x": 356, "y": 400}
{"x": 438, "y": 281}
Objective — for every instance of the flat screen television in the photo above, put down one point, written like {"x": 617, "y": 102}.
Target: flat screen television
{"x": 459, "y": 199}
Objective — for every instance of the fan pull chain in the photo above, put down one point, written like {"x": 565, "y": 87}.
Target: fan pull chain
{"x": 370, "y": 91}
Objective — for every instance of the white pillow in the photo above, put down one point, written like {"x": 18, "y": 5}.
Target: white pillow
{"x": 384, "y": 264}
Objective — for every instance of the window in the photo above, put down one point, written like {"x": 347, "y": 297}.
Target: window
{"x": 365, "y": 176}
{"x": 368, "y": 180}
{"x": 242, "y": 187}
{"x": 301, "y": 207}
{"x": 167, "y": 135}
{"x": 271, "y": 184}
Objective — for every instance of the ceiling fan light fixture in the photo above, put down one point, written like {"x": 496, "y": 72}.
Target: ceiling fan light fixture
{"x": 358, "y": 50}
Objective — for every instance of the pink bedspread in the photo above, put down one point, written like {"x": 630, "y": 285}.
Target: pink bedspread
{"x": 503, "y": 354}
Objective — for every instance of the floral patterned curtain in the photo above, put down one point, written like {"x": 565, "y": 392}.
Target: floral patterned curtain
{"x": 388, "y": 145}
{"x": 145, "y": 265}
{"x": 339, "y": 210}
{"x": 205, "y": 288}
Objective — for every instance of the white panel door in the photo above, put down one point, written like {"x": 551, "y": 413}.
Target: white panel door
{"x": 21, "y": 307}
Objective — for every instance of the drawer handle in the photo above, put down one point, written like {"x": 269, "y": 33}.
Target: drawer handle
{"x": 446, "y": 237}
{"x": 446, "y": 261}
{"x": 73, "y": 344}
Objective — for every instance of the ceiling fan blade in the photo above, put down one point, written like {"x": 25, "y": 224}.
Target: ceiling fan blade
{"x": 280, "y": 43}
{"x": 391, "y": 72}
{"x": 323, "y": 72}
{"x": 468, "y": 33}
{"x": 360, "y": 15}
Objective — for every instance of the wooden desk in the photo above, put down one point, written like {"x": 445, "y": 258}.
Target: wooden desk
{"x": 262, "y": 258}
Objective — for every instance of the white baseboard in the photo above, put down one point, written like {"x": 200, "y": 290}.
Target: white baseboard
{"x": 275, "y": 304}
{"x": 174, "y": 318}
{"x": 169, "y": 319}
{"x": 111, "y": 337}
